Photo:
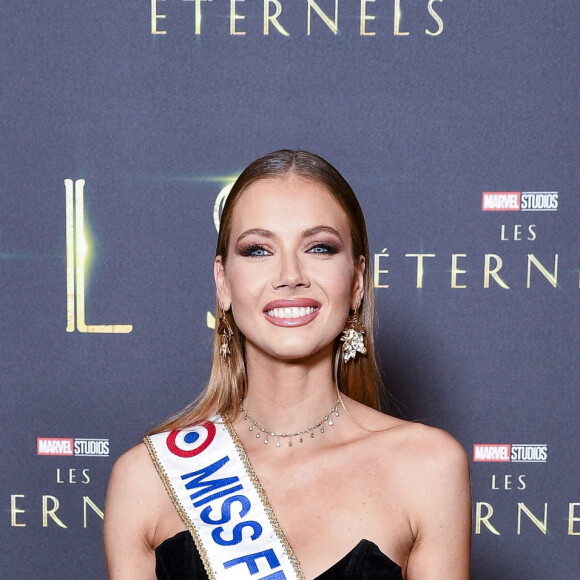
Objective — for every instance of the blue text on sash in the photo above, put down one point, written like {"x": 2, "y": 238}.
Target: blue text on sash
{"x": 205, "y": 490}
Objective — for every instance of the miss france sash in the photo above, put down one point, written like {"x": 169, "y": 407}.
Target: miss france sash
{"x": 209, "y": 478}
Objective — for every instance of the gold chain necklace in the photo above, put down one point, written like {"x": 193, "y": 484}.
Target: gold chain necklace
{"x": 267, "y": 434}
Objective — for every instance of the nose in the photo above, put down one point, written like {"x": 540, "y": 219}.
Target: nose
{"x": 291, "y": 273}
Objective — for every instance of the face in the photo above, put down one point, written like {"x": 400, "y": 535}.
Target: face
{"x": 290, "y": 276}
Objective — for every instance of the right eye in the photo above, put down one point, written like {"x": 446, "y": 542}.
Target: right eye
{"x": 255, "y": 251}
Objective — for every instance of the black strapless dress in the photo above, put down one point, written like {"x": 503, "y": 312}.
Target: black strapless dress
{"x": 177, "y": 558}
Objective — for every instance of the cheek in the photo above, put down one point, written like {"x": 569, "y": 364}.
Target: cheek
{"x": 244, "y": 287}
{"x": 340, "y": 282}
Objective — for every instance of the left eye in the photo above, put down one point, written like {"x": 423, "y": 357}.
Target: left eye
{"x": 322, "y": 249}
{"x": 258, "y": 252}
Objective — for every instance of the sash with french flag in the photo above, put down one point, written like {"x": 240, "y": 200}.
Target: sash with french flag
{"x": 210, "y": 480}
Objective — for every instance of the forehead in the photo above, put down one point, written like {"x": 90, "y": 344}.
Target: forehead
{"x": 287, "y": 203}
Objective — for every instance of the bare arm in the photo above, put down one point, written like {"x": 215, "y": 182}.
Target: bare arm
{"x": 442, "y": 519}
{"x": 130, "y": 517}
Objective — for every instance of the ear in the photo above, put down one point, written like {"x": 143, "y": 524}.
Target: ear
{"x": 358, "y": 284}
{"x": 222, "y": 284}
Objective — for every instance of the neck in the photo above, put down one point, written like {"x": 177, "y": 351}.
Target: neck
{"x": 288, "y": 396}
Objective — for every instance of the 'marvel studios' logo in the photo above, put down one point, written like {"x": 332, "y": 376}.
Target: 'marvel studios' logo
{"x": 519, "y": 201}
{"x": 514, "y": 453}
{"x": 72, "y": 447}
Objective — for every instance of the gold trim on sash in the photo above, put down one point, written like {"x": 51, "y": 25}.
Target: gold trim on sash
{"x": 182, "y": 513}
{"x": 257, "y": 486}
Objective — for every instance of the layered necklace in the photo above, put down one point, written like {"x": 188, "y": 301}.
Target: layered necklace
{"x": 267, "y": 435}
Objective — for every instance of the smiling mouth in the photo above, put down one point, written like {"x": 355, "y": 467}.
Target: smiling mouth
{"x": 291, "y": 312}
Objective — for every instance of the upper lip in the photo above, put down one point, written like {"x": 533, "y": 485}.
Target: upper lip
{"x": 292, "y": 303}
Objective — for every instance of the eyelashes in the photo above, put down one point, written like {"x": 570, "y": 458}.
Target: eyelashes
{"x": 260, "y": 251}
{"x": 254, "y": 251}
{"x": 323, "y": 248}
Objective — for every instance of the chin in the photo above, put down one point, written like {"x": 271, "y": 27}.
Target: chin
{"x": 297, "y": 352}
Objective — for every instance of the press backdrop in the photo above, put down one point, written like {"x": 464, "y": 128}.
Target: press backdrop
{"x": 424, "y": 106}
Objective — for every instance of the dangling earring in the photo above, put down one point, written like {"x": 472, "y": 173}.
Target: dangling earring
{"x": 225, "y": 331}
{"x": 353, "y": 338}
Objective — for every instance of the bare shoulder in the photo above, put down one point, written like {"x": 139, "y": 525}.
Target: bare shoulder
{"x": 134, "y": 505}
{"x": 429, "y": 448}
{"x": 426, "y": 472}
{"x": 433, "y": 470}
{"x": 133, "y": 485}
{"x": 134, "y": 464}
{"x": 134, "y": 478}
{"x": 411, "y": 445}
{"x": 426, "y": 462}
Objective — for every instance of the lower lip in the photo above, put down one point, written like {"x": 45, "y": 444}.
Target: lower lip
{"x": 292, "y": 322}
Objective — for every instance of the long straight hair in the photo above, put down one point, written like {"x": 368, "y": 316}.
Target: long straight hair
{"x": 359, "y": 378}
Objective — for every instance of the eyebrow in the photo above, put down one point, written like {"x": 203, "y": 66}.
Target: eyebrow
{"x": 320, "y": 229}
{"x": 305, "y": 234}
{"x": 256, "y": 232}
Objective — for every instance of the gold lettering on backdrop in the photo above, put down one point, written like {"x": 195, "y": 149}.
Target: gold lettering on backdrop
{"x": 364, "y": 18}
{"x": 397, "y": 20}
{"x": 70, "y": 257}
{"x": 197, "y": 17}
{"x": 50, "y": 507}
{"x": 378, "y": 271}
{"x": 46, "y": 511}
{"x": 493, "y": 272}
{"x": 541, "y": 525}
{"x": 492, "y": 267}
{"x": 76, "y": 251}
{"x": 484, "y": 519}
{"x": 332, "y": 24}
{"x": 155, "y": 17}
{"x": 70, "y": 475}
{"x": 87, "y": 501}
{"x": 14, "y": 511}
{"x": 552, "y": 278}
{"x": 272, "y": 10}
{"x": 455, "y": 270}
{"x": 435, "y": 17}
{"x": 420, "y": 269}
{"x": 273, "y": 18}
{"x": 233, "y": 17}
{"x": 218, "y": 205}
{"x": 508, "y": 483}
{"x": 517, "y": 237}
{"x": 572, "y": 518}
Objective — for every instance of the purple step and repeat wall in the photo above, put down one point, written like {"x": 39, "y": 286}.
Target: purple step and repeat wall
{"x": 123, "y": 124}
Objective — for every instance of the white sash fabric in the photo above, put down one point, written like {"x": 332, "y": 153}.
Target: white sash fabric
{"x": 215, "y": 490}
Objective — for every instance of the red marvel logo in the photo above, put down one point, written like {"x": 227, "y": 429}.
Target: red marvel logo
{"x": 54, "y": 446}
{"x": 500, "y": 201}
{"x": 491, "y": 452}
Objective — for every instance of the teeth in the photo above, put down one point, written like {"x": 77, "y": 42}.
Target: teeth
{"x": 293, "y": 312}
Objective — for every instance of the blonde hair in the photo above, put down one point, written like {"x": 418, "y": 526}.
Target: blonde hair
{"x": 358, "y": 379}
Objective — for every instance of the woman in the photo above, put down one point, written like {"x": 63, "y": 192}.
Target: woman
{"x": 284, "y": 467}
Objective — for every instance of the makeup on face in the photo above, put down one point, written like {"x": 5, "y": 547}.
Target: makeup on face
{"x": 289, "y": 266}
